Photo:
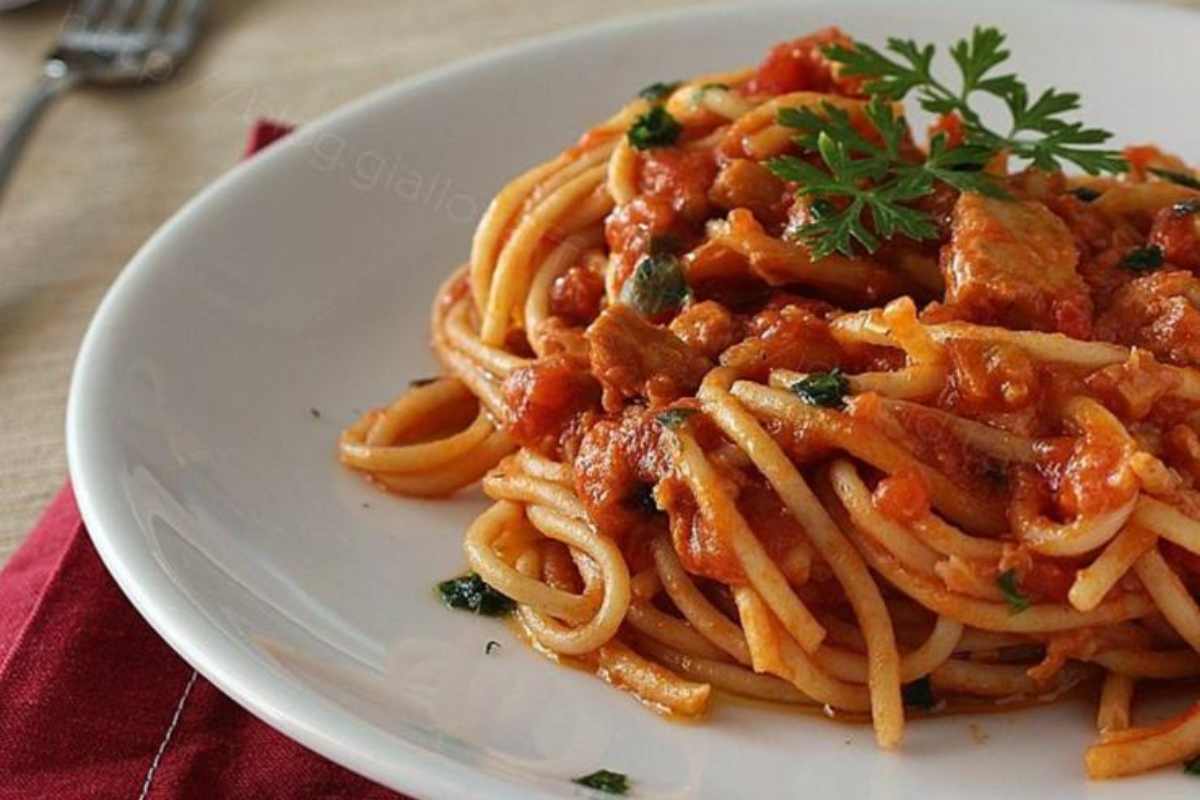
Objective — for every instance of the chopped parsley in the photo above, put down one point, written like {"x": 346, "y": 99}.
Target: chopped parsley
{"x": 919, "y": 694}
{"x": 672, "y": 418}
{"x": 1143, "y": 259}
{"x": 314, "y": 413}
{"x": 1192, "y": 767}
{"x": 642, "y": 497}
{"x": 470, "y": 593}
{"x": 655, "y": 128}
{"x": 1182, "y": 178}
{"x": 823, "y": 389}
{"x": 658, "y": 91}
{"x": 1007, "y": 583}
{"x": 1085, "y": 193}
{"x": 664, "y": 244}
{"x": 656, "y": 286}
{"x": 605, "y": 781}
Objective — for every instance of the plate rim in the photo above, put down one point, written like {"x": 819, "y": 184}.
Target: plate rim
{"x": 409, "y": 767}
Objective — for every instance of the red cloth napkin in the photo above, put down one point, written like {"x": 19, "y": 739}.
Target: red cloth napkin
{"x": 94, "y": 705}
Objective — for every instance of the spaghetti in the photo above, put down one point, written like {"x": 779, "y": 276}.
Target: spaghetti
{"x": 721, "y": 459}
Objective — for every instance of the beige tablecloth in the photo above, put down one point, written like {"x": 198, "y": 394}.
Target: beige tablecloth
{"x": 107, "y": 167}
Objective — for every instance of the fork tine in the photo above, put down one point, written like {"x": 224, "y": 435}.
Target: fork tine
{"x": 121, "y": 13}
{"x": 156, "y": 12}
{"x": 88, "y": 14}
{"x": 191, "y": 13}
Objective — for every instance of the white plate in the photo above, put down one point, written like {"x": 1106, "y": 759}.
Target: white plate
{"x": 302, "y": 280}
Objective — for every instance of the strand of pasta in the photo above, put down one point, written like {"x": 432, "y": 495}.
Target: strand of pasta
{"x": 601, "y": 627}
{"x": 675, "y": 633}
{"x": 850, "y": 666}
{"x": 1157, "y": 665}
{"x": 836, "y": 429}
{"x": 652, "y": 683}
{"x": 855, "y": 496}
{"x": 704, "y": 617}
{"x": 510, "y": 281}
{"x": 867, "y": 327}
{"x": 725, "y": 676}
{"x": 1170, "y": 595}
{"x": 501, "y": 485}
{"x": 720, "y": 512}
{"x": 509, "y": 202}
{"x": 1096, "y": 580}
{"x": 1133, "y": 750}
{"x": 537, "y": 304}
{"x": 1001, "y": 680}
{"x": 482, "y": 557}
{"x": 848, "y": 568}
{"x": 1037, "y": 618}
{"x": 773, "y": 650}
{"x": 1116, "y": 697}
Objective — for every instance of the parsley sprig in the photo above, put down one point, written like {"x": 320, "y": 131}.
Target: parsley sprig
{"x": 863, "y": 179}
{"x": 1037, "y": 131}
{"x": 874, "y": 179}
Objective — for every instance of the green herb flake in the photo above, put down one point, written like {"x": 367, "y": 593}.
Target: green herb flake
{"x": 1007, "y": 583}
{"x": 655, "y": 128}
{"x": 1085, "y": 193}
{"x": 658, "y": 91}
{"x": 825, "y": 389}
{"x": 919, "y": 694}
{"x": 1143, "y": 259}
{"x": 605, "y": 781}
{"x": 657, "y": 285}
{"x": 672, "y": 418}
{"x": 470, "y": 593}
{"x": 1192, "y": 767}
{"x": 1181, "y": 178}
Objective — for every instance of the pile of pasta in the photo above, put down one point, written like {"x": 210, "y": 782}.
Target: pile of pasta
{"x": 864, "y": 602}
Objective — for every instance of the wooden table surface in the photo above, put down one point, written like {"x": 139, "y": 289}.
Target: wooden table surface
{"x": 107, "y": 167}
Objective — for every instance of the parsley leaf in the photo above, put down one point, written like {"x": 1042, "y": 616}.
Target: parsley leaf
{"x": 1007, "y": 583}
{"x": 874, "y": 179}
{"x": 605, "y": 781}
{"x": 823, "y": 389}
{"x": 658, "y": 91}
{"x": 919, "y": 694}
{"x": 1037, "y": 131}
{"x": 656, "y": 286}
{"x": 1181, "y": 178}
{"x": 655, "y": 128}
{"x": 470, "y": 593}
{"x": 672, "y": 418}
{"x": 875, "y": 183}
{"x": 1143, "y": 259}
{"x": 1192, "y": 767}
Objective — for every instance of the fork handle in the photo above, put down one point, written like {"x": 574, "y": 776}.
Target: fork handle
{"x": 56, "y": 80}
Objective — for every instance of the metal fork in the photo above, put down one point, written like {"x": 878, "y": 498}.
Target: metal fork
{"x": 112, "y": 42}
